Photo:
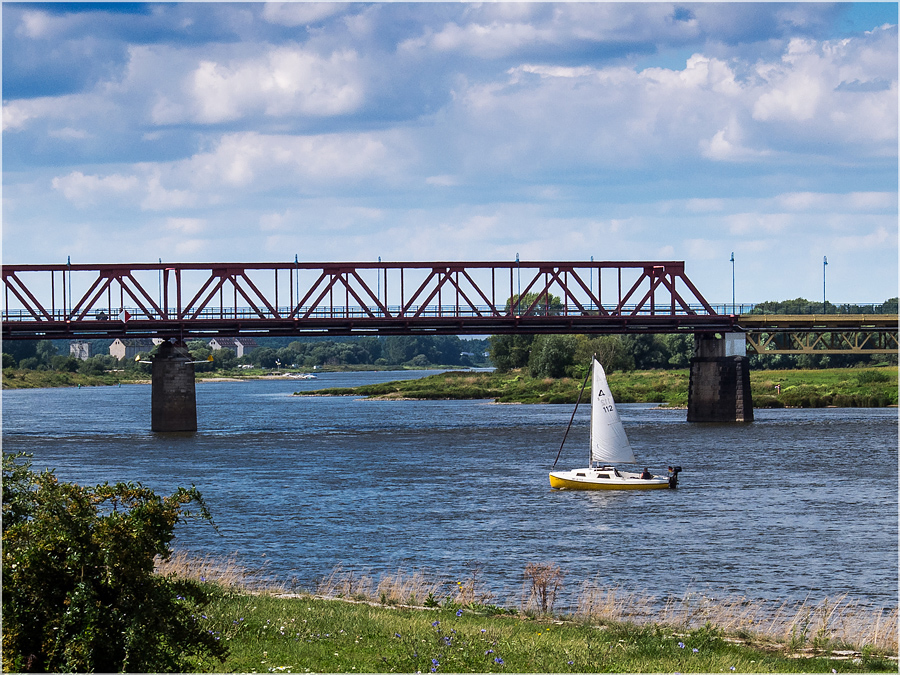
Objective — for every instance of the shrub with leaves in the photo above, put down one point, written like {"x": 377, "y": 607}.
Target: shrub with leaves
{"x": 79, "y": 590}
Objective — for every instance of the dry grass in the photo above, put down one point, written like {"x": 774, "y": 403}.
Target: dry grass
{"x": 225, "y": 572}
{"x": 398, "y": 588}
{"x": 827, "y": 624}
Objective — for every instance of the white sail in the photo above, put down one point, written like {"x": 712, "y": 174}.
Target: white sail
{"x": 609, "y": 444}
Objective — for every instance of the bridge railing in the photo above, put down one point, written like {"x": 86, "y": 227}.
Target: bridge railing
{"x": 357, "y": 312}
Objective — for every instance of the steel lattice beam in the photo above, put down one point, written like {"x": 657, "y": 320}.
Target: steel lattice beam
{"x": 229, "y": 299}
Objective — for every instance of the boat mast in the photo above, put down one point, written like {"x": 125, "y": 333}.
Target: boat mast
{"x": 580, "y": 393}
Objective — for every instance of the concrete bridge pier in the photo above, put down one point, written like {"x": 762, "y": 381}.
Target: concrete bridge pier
{"x": 720, "y": 379}
{"x": 173, "y": 401}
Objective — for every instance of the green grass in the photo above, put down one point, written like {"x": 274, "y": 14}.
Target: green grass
{"x": 265, "y": 633}
{"x": 410, "y": 622}
{"x": 842, "y": 387}
{"x": 15, "y": 378}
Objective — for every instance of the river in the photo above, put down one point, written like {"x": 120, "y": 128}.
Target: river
{"x": 800, "y": 504}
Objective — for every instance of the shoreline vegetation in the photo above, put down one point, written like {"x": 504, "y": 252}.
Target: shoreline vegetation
{"x": 833, "y": 387}
{"x": 871, "y": 387}
{"x": 413, "y": 622}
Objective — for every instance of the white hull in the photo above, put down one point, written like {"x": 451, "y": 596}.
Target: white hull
{"x": 605, "y": 478}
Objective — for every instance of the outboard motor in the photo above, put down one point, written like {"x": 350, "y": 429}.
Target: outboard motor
{"x": 673, "y": 476}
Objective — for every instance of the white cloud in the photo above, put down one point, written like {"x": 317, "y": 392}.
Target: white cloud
{"x": 35, "y": 24}
{"x": 69, "y": 134}
{"x": 85, "y": 190}
{"x": 15, "y": 115}
{"x": 160, "y": 198}
{"x": 186, "y": 226}
{"x": 285, "y": 81}
{"x": 300, "y": 13}
{"x": 443, "y": 180}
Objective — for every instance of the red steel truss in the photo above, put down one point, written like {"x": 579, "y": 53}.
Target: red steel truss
{"x": 190, "y": 300}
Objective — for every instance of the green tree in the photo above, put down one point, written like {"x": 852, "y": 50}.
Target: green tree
{"x": 264, "y": 357}
{"x": 510, "y": 351}
{"x": 552, "y": 356}
{"x": 224, "y": 359}
{"x": 612, "y": 351}
{"x": 533, "y": 305}
{"x": 46, "y": 350}
{"x": 79, "y": 590}
{"x": 65, "y": 363}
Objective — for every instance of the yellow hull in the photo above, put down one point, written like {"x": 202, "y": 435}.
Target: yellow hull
{"x": 559, "y": 481}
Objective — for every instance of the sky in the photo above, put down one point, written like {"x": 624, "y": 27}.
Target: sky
{"x": 254, "y": 132}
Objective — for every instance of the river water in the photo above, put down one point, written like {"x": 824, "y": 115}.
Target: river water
{"x": 799, "y": 504}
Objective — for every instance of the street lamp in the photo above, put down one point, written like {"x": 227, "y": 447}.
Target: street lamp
{"x": 591, "y": 282}
{"x": 732, "y": 282}
{"x": 519, "y": 294}
{"x": 824, "y": 266}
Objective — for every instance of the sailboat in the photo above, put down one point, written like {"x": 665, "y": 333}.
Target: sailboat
{"x": 609, "y": 446}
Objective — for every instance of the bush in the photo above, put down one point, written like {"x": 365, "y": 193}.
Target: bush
{"x": 79, "y": 589}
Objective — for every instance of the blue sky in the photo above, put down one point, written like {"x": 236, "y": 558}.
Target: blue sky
{"x": 204, "y": 132}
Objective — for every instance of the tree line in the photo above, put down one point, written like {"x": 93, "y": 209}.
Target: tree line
{"x": 543, "y": 355}
{"x": 406, "y": 351}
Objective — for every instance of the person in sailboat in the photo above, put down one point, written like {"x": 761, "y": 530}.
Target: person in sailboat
{"x": 646, "y": 474}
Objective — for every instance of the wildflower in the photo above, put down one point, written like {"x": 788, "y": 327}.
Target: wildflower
{"x": 695, "y": 650}
{"x": 681, "y": 645}
{"x": 484, "y": 630}
{"x": 459, "y": 612}
{"x": 732, "y": 670}
{"x": 498, "y": 660}
{"x": 396, "y": 634}
{"x": 435, "y": 623}
{"x": 489, "y": 651}
{"x": 571, "y": 662}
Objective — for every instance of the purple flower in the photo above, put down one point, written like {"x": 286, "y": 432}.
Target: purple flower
{"x": 498, "y": 660}
{"x": 435, "y": 623}
{"x": 695, "y": 650}
{"x": 459, "y": 613}
{"x": 681, "y": 645}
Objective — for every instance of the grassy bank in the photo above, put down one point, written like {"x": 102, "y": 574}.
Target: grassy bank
{"x": 17, "y": 378}
{"x": 14, "y": 378}
{"x": 842, "y": 387}
{"x": 404, "y": 623}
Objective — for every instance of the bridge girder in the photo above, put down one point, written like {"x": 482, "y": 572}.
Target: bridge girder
{"x": 231, "y": 299}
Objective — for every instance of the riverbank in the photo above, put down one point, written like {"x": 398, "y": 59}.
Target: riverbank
{"x": 409, "y": 623}
{"x": 839, "y": 387}
{"x": 16, "y": 378}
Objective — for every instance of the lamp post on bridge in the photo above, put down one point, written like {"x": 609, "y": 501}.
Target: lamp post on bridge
{"x": 732, "y": 284}
{"x": 824, "y": 266}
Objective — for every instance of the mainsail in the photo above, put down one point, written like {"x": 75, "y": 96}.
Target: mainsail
{"x": 609, "y": 444}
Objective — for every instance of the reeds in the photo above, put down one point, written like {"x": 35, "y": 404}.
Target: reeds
{"x": 223, "y": 572}
{"x": 397, "y": 588}
{"x": 828, "y": 624}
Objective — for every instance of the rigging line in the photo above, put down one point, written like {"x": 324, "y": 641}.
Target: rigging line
{"x": 571, "y": 419}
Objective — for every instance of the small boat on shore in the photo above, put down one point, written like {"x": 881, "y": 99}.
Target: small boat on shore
{"x": 609, "y": 447}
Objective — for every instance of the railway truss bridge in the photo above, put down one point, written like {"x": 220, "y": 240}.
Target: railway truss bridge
{"x": 185, "y": 301}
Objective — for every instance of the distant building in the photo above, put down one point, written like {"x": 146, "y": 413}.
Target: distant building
{"x": 131, "y": 347}
{"x": 80, "y": 350}
{"x": 240, "y": 346}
